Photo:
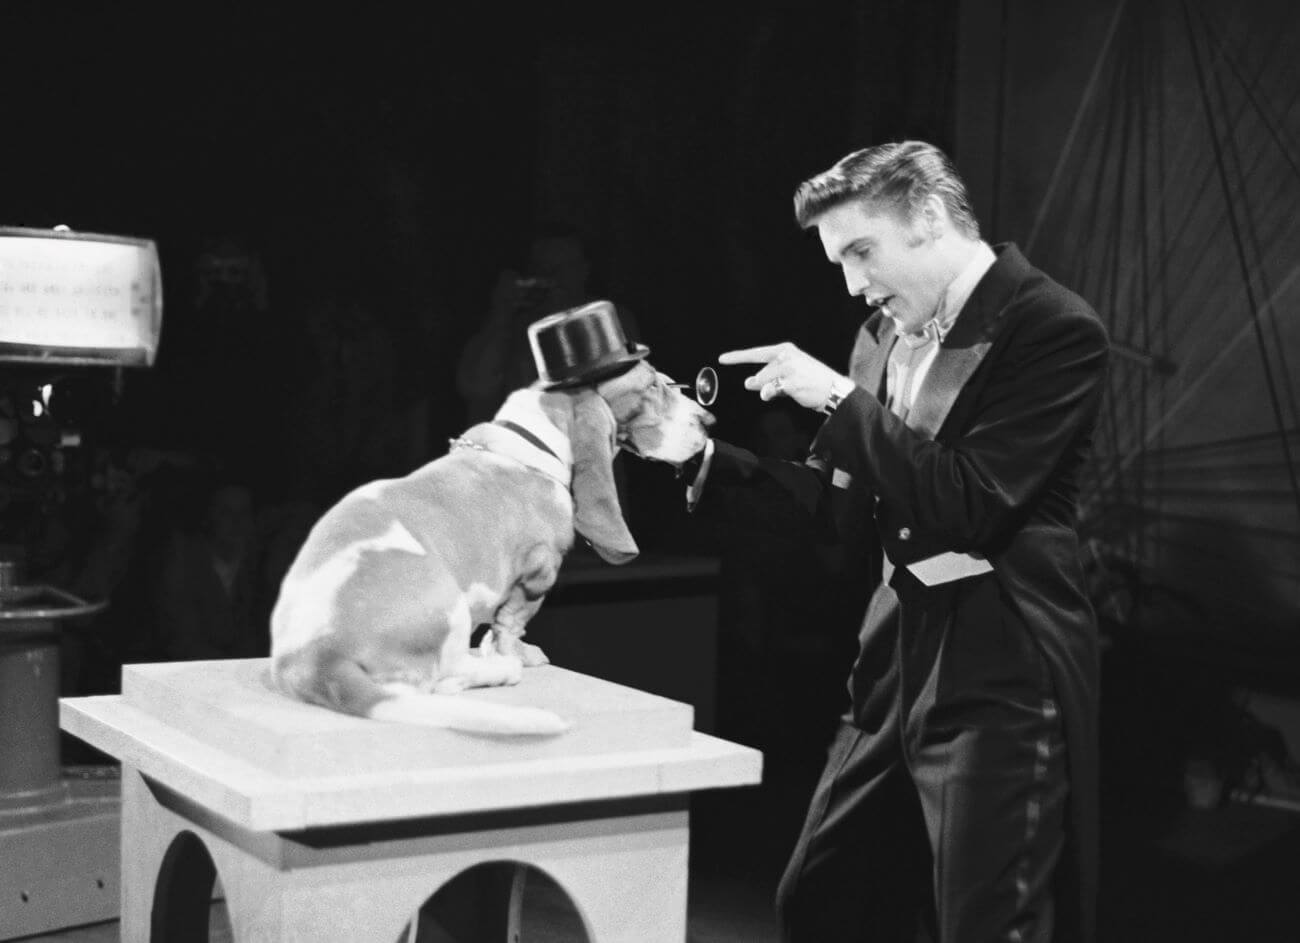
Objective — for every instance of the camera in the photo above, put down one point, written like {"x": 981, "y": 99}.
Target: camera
{"x": 533, "y": 291}
{"x": 42, "y": 458}
{"x": 71, "y": 304}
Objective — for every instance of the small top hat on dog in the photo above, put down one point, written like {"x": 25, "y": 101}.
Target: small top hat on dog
{"x": 581, "y": 345}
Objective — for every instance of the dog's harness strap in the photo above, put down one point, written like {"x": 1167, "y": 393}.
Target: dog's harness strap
{"x": 520, "y": 430}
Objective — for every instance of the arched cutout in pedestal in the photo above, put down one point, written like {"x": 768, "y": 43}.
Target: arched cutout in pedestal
{"x": 508, "y": 901}
{"x": 182, "y": 899}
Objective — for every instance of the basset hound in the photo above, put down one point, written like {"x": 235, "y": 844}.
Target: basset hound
{"x": 375, "y": 615}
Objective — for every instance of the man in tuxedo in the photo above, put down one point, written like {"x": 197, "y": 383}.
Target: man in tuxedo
{"x": 960, "y": 792}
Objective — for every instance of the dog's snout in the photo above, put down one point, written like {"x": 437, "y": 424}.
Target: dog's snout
{"x": 656, "y": 420}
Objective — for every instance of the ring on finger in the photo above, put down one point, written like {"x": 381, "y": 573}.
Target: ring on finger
{"x": 777, "y": 385}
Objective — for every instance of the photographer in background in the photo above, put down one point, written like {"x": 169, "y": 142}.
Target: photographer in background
{"x": 207, "y": 595}
{"x": 496, "y": 360}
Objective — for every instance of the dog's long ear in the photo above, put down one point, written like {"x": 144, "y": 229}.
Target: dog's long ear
{"x": 596, "y": 512}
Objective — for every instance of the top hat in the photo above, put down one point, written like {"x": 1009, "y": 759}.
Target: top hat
{"x": 581, "y": 345}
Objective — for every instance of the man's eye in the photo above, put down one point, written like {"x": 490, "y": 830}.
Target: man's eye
{"x": 861, "y": 253}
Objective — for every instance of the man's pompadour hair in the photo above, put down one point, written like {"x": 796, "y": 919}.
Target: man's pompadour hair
{"x": 896, "y": 176}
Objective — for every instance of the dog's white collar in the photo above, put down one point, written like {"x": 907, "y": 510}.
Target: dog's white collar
{"x": 500, "y": 441}
{"x": 524, "y": 408}
{"x": 522, "y": 431}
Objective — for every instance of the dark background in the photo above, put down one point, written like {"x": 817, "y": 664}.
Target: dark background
{"x": 383, "y": 168}
{"x": 409, "y": 154}
{"x": 393, "y": 162}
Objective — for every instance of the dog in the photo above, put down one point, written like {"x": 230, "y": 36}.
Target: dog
{"x": 375, "y": 615}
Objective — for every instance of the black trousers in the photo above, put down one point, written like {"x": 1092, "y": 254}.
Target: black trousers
{"x": 941, "y": 809}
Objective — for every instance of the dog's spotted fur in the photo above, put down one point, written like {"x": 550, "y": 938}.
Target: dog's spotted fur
{"x": 375, "y": 615}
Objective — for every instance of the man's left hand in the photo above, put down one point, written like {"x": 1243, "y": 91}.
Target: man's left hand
{"x": 788, "y": 371}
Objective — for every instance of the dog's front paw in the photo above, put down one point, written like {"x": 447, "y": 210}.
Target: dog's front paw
{"x": 508, "y": 643}
{"x": 532, "y": 656}
{"x": 480, "y": 670}
{"x": 451, "y": 684}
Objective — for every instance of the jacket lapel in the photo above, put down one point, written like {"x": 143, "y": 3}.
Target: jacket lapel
{"x": 965, "y": 346}
{"x": 951, "y": 369}
{"x": 871, "y": 353}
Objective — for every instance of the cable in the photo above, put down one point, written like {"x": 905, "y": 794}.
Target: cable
{"x": 1278, "y": 348}
{"x": 1084, "y": 102}
{"x": 1000, "y": 109}
{"x": 1247, "y": 88}
{"x": 1232, "y": 444}
{"x": 1241, "y": 254}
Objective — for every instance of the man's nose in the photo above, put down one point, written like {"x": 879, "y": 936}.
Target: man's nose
{"x": 856, "y": 281}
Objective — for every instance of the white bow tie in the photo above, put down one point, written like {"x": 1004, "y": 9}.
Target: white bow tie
{"x": 931, "y": 331}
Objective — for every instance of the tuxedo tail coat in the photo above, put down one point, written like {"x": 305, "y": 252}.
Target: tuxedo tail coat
{"x": 988, "y": 462}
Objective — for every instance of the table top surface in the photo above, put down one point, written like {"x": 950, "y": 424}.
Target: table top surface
{"x": 206, "y": 730}
{"x": 235, "y": 703}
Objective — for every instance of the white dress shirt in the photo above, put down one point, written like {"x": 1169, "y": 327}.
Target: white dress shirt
{"x": 913, "y": 355}
{"x": 951, "y": 302}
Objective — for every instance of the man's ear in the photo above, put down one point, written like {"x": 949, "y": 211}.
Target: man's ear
{"x": 934, "y": 216}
